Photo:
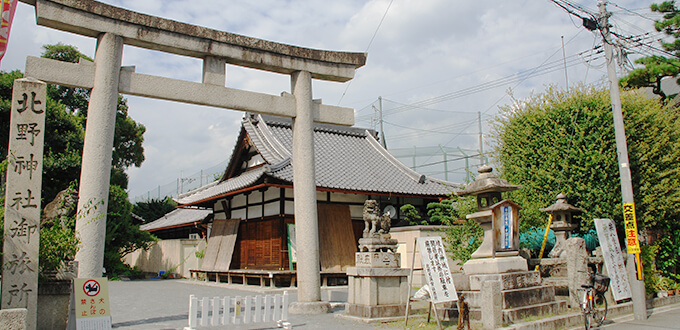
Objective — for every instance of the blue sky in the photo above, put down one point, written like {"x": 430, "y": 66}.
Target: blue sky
{"x": 453, "y": 59}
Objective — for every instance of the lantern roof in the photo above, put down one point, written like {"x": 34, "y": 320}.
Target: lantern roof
{"x": 561, "y": 205}
{"x": 487, "y": 182}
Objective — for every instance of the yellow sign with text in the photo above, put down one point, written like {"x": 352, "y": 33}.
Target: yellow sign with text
{"x": 630, "y": 224}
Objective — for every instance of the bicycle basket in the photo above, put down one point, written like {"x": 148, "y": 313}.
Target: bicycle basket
{"x": 601, "y": 283}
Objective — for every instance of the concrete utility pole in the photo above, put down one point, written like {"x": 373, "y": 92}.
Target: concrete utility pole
{"x": 481, "y": 139}
{"x": 637, "y": 286}
{"x": 380, "y": 119}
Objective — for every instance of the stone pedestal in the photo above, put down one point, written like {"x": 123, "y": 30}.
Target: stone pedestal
{"x": 495, "y": 265}
{"x": 378, "y": 286}
{"x": 521, "y": 294}
{"x": 380, "y": 244}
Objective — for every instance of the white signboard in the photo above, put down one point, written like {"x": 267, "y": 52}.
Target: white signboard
{"x": 507, "y": 220}
{"x": 437, "y": 269}
{"x": 613, "y": 259}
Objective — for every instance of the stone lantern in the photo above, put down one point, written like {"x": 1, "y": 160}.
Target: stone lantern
{"x": 499, "y": 283}
{"x": 562, "y": 223}
{"x": 499, "y": 251}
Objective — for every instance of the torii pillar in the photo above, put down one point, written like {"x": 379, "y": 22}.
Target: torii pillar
{"x": 304, "y": 194}
{"x": 93, "y": 195}
{"x": 113, "y": 27}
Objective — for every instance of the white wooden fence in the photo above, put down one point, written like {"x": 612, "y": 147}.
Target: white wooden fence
{"x": 216, "y": 311}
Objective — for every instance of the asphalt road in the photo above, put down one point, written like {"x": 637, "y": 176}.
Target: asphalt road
{"x": 164, "y": 304}
{"x": 667, "y": 317}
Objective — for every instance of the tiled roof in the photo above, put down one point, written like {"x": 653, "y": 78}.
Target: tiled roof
{"x": 347, "y": 158}
{"x": 218, "y": 188}
{"x": 177, "y": 217}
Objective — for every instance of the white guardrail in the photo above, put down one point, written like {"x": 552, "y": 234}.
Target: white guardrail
{"x": 216, "y": 311}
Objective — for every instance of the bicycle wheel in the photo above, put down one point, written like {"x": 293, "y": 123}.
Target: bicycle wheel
{"x": 599, "y": 309}
{"x": 586, "y": 318}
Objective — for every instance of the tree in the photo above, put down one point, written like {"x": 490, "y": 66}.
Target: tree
{"x": 154, "y": 209}
{"x": 129, "y": 135}
{"x": 122, "y": 235}
{"x": 64, "y": 127}
{"x": 563, "y": 141}
{"x": 75, "y": 99}
{"x": 658, "y": 67}
{"x": 63, "y": 139}
{"x": 127, "y": 145}
{"x": 66, "y": 114}
{"x": 461, "y": 237}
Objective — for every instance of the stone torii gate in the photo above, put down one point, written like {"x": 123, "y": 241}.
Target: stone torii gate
{"x": 113, "y": 27}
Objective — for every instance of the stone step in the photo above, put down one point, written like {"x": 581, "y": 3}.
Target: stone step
{"x": 556, "y": 281}
{"x": 528, "y": 296}
{"x": 515, "y": 298}
{"x": 520, "y": 313}
{"x": 509, "y": 281}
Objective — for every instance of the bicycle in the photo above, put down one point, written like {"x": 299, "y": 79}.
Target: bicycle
{"x": 593, "y": 303}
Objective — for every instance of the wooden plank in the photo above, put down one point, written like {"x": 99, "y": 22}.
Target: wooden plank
{"x": 214, "y": 242}
{"x": 337, "y": 243}
{"x": 227, "y": 244}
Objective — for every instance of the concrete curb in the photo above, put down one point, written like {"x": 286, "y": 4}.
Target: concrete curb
{"x": 576, "y": 319}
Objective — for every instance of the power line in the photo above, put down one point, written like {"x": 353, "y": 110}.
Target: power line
{"x": 425, "y": 132}
{"x": 448, "y": 160}
{"x": 368, "y": 47}
{"x": 565, "y": 4}
{"x": 521, "y": 76}
{"x": 639, "y": 41}
{"x": 631, "y": 12}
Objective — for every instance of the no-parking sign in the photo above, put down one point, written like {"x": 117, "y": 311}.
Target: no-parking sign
{"x": 92, "y": 303}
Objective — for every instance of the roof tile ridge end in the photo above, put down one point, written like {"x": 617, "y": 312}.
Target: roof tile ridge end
{"x": 445, "y": 182}
{"x": 270, "y": 141}
{"x": 415, "y": 176}
{"x": 275, "y": 142}
{"x": 197, "y": 190}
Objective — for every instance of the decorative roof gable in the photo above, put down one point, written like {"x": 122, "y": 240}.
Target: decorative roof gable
{"x": 348, "y": 159}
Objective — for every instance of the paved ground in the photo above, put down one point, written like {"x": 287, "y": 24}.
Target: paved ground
{"x": 667, "y": 317}
{"x": 164, "y": 304}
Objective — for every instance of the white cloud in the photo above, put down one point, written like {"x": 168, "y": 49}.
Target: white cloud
{"x": 424, "y": 49}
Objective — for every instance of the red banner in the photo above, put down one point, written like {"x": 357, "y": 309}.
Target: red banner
{"x": 7, "y": 14}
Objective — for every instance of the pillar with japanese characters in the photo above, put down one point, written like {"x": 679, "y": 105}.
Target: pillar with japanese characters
{"x": 22, "y": 198}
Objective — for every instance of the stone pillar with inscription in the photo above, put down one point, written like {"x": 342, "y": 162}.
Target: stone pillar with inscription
{"x": 22, "y": 198}
{"x": 378, "y": 286}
